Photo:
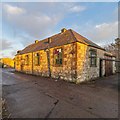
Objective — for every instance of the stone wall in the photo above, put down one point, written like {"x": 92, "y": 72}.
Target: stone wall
{"x": 18, "y": 62}
{"x": 84, "y": 71}
{"x": 21, "y": 65}
{"x": 81, "y": 60}
{"x": 66, "y": 71}
{"x": 63, "y": 71}
{"x": 75, "y": 67}
{"x": 27, "y": 68}
{"x": 42, "y": 68}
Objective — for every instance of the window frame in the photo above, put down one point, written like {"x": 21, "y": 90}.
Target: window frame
{"x": 93, "y": 57}
{"x": 17, "y": 60}
{"x": 27, "y": 60}
{"x": 54, "y": 60}
{"x": 37, "y": 56}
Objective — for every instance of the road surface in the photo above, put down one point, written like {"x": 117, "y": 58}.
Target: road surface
{"x": 29, "y": 96}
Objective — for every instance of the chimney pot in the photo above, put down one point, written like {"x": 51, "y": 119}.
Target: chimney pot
{"x": 49, "y": 40}
{"x": 18, "y": 51}
{"x": 36, "y": 41}
{"x": 63, "y": 30}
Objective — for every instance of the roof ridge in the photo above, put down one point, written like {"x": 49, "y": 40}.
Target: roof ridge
{"x": 79, "y": 35}
{"x": 39, "y": 41}
{"x": 48, "y": 37}
{"x": 73, "y": 34}
{"x": 58, "y": 40}
{"x": 84, "y": 40}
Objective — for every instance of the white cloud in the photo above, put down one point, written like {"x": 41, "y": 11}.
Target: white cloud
{"x": 36, "y": 22}
{"x": 77, "y": 8}
{"x": 9, "y": 48}
{"x": 13, "y": 10}
{"x": 7, "y": 53}
{"x": 5, "y": 44}
{"x": 32, "y": 21}
{"x": 104, "y": 33}
{"x": 35, "y": 25}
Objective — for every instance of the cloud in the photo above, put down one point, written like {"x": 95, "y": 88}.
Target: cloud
{"x": 5, "y": 44}
{"x": 34, "y": 22}
{"x": 7, "y": 53}
{"x": 77, "y": 8}
{"x": 13, "y": 53}
{"x": 103, "y": 33}
{"x": 14, "y": 10}
{"x": 24, "y": 40}
{"x": 36, "y": 26}
{"x": 30, "y": 21}
{"x": 9, "y": 48}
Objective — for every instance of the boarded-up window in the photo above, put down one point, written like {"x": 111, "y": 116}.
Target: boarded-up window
{"x": 27, "y": 59}
{"x": 93, "y": 58}
{"x": 58, "y": 56}
{"x": 37, "y": 59}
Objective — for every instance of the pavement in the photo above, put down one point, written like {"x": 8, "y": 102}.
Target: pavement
{"x": 29, "y": 96}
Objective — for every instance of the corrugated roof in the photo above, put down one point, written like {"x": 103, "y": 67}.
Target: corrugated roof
{"x": 59, "y": 39}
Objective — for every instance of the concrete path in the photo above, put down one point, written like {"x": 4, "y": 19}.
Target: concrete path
{"x": 31, "y": 96}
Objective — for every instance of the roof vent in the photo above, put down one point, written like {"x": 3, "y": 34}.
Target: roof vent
{"x": 36, "y": 41}
{"x": 63, "y": 30}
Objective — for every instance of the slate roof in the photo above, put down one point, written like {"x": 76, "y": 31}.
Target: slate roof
{"x": 59, "y": 39}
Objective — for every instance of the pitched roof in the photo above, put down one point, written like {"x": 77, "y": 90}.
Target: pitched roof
{"x": 82, "y": 39}
{"x": 59, "y": 39}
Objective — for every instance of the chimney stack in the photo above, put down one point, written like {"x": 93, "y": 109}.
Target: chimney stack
{"x": 63, "y": 30}
{"x": 18, "y": 51}
{"x": 49, "y": 40}
{"x": 36, "y": 41}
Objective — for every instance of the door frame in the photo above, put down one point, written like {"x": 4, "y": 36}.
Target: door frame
{"x": 101, "y": 64}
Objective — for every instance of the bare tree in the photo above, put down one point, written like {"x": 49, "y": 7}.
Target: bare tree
{"x": 114, "y": 48}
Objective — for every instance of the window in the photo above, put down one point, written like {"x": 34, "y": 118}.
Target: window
{"x": 27, "y": 59}
{"x": 37, "y": 59}
{"x": 58, "y": 56}
{"x": 93, "y": 58}
{"x": 17, "y": 60}
{"x": 22, "y": 60}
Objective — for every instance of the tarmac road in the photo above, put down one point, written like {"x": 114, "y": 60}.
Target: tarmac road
{"x": 29, "y": 96}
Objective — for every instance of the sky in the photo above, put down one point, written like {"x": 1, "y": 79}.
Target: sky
{"x": 24, "y": 22}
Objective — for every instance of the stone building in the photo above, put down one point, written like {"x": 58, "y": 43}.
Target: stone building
{"x": 66, "y": 55}
{"x": 8, "y": 62}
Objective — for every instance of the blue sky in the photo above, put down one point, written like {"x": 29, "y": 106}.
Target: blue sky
{"x": 23, "y": 22}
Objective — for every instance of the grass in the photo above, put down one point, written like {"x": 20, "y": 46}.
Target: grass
{"x": 4, "y": 111}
